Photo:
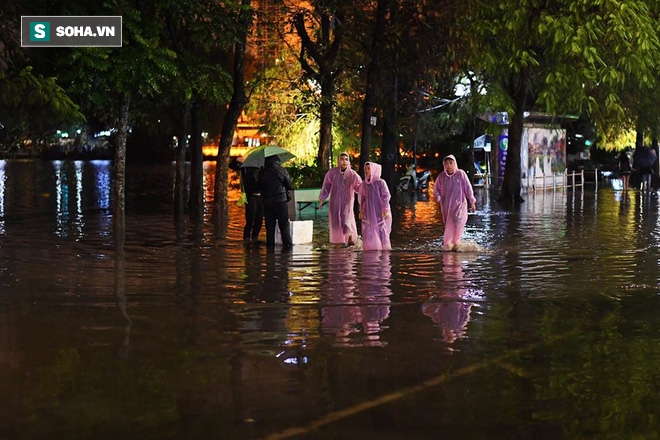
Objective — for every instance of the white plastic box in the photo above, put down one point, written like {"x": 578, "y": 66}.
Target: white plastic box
{"x": 301, "y": 232}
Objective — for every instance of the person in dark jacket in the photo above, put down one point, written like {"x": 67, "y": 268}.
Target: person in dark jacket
{"x": 275, "y": 184}
{"x": 254, "y": 207}
{"x": 644, "y": 158}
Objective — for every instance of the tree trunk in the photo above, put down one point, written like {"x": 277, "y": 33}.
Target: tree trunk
{"x": 180, "y": 180}
{"x": 325, "y": 53}
{"x": 196, "y": 163}
{"x": 639, "y": 139}
{"x": 120, "y": 171}
{"x": 373, "y": 73}
{"x": 511, "y": 186}
{"x": 367, "y": 114}
{"x": 656, "y": 148}
{"x": 119, "y": 216}
{"x": 325, "y": 138}
{"x": 390, "y": 141}
{"x": 120, "y": 292}
{"x": 469, "y": 169}
{"x": 390, "y": 132}
{"x": 238, "y": 101}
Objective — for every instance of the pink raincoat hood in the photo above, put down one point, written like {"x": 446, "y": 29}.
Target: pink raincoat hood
{"x": 376, "y": 170}
{"x": 452, "y": 157}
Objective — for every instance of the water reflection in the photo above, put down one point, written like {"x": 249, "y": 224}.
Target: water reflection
{"x": 62, "y": 199}
{"x": 80, "y": 225}
{"x": 180, "y": 337}
{"x": 357, "y": 304}
{"x": 101, "y": 173}
{"x": 448, "y": 310}
{"x": 339, "y": 314}
{"x": 122, "y": 303}
{"x": 3, "y": 178}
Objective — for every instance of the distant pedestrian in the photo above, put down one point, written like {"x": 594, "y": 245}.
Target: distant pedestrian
{"x": 275, "y": 184}
{"x": 643, "y": 160}
{"x": 254, "y": 207}
{"x": 341, "y": 184}
{"x": 453, "y": 190}
{"x": 623, "y": 163}
{"x": 374, "y": 198}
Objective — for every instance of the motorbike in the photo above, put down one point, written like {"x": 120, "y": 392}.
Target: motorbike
{"x": 412, "y": 181}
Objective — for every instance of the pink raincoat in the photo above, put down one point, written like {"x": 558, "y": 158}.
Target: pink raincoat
{"x": 374, "y": 198}
{"x": 341, "y": 187}
{"x": 453, "y": 191}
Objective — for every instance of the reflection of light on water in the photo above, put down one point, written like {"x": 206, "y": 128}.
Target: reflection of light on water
{"x": 208, "y": 188}
{"x": 102, "y": 190}
{"x": 102, "y": 170}
{"x": 62, "y": 199}
{"x": 302, "y": 323}
{"x": 3, "y": 177}
{"x": 79, "y": 187}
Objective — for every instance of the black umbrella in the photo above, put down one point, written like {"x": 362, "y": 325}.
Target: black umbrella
{"x": 644, "y": 157}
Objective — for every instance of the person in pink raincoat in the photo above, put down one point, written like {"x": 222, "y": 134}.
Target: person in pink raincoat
{"x": 374, "y": 198}
{"x": 453, "y": 190}
{"x": 340, "y": 184}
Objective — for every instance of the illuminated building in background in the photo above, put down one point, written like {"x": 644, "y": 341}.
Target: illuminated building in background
{"x": 264, "y": 46}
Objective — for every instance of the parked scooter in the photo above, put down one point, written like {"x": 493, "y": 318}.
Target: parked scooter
{"x": 413, "y": 182}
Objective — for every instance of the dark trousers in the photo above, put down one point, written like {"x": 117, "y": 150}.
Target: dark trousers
{"x": 277, "y": 212}
{"x": 254, "y": 217}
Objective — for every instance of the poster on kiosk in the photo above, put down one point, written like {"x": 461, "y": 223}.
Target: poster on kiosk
{"x": 542, "y": 153}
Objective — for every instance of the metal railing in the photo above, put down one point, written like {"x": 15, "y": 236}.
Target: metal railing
{"x": 556, "y": 180}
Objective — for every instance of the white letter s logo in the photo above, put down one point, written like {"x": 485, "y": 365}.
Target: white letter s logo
{"x": 40, "y": 31}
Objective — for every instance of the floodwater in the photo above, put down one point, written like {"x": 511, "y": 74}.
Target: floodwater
{"x": 552, "y": 332}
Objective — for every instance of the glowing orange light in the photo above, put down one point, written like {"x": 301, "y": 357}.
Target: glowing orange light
{"x": 437, "y": 154}
{"x": 212, "y": 151}
{"x": 239, "y": 151}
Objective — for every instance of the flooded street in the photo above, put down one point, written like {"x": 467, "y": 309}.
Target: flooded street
{"x": 552, "y": 332}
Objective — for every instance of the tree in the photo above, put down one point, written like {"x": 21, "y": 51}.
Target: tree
{"x": 238, "y": 100}
{"x": 564, "y": 56}
{"x": 117, "y": 76}
{"x": 404, "y": 45}
{"x": 286, "y": 105}
{"x": 32, "y": 106}
{"x": 319, "y": 59}
{"x": 199, "y": 33}
{"x": 372, "y": 80}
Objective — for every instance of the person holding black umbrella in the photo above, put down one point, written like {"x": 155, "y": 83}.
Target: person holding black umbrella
{"x": 275, "y": 184}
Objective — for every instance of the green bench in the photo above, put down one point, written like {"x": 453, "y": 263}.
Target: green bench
{"x": 307, "y": 197}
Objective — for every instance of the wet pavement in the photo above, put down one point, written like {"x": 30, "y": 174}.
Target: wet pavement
{"x": 552, "y": 332}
